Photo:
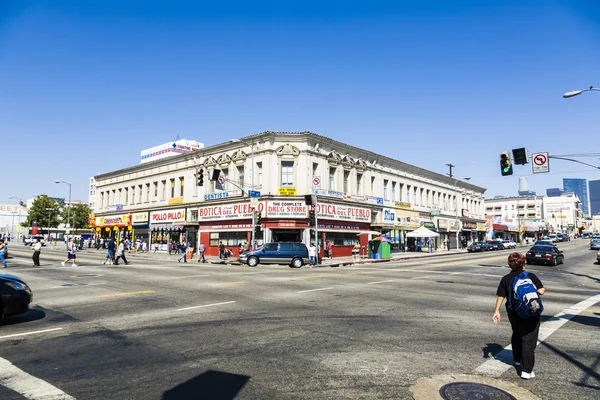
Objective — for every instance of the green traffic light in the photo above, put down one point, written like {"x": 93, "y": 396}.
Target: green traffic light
{"x": 505, "y": 169}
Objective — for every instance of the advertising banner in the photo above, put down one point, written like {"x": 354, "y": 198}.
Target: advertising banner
{"x": 114, "y": 220}
{"x": 286, "y": 209}
{"x": 165, "y": 216}
{"x": 140, "y": 218}
{"x": 389, "y": 216}
{"x": 339, "y": 212}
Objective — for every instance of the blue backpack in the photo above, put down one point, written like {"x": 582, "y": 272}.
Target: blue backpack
{"x": 525, "y": 300}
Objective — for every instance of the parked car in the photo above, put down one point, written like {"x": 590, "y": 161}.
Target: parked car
{"x": 30, "y": 240}
{"x": 478, "y": 246}
{"x": 544, "y": 254}
{"x": 586, "y": 235}
{"x": 509, "y": 244}
{"x": 15, "y": 295}
{"x": 496, "y": 245}
{"x": 553, "y": 237}
{"x": 595, "y": 244}
{"x": 292, "y": 253}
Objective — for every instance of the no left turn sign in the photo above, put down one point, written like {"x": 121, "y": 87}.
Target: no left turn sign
{"x": 540, "y": 163}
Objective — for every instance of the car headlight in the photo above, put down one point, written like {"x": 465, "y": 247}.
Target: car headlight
{"x": 16, "y": 285}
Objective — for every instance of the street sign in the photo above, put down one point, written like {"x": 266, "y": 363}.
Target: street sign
{"x": 254, "y": 202}
{"x": 540, "y": 163}
{"x": 253, "y": 193}
{"x": 316, "y": 181}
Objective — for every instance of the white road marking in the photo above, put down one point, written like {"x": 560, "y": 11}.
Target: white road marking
{"x": 30, "y": 333}
{"x": 503, "y": 361}
{"x": 205, "y": 305}
{"x": 422, "y": 277}
{"x": 314, "y": 290}
{"x": 374, "y": 283}
{"x": 189, "y": 276}
{"x": 28, "y": 385}
{"x": 86, "y": 276}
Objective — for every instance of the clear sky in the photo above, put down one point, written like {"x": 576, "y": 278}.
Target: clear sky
{"x": 85, "y": 85}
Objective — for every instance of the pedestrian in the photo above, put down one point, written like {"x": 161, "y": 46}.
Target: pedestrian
{"x": 37, "y": 248}
{"x": 71, "y": 253}
{"x": 201, "y": 250}
{"x": 221, "y": 250}
{"x": 156, "y": 247}
{"x": 121, "y": 254}
{"x": 330, "y": 249}
{"x": 144, "y": 247}
{"x": 170, "y": 246}
{"x": 429, "y": 246}
{"x": 312, "y": 254}
{"x": 110, "y": 252}
{"x": 3, "y": 253}
{"x": 525, "y": 329}
{"x": 240, "y": 248}
{"x": 183, "y": 247}
{"x": 356, "y": 252}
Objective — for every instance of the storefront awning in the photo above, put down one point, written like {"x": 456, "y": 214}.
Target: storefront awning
{"x": 167, "y": 227}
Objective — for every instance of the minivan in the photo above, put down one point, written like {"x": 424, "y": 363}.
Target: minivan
{"x": 294, "y": 254}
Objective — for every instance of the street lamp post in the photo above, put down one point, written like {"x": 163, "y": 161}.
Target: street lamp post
{"x": 12, "y": 227}
{"x": 49, "y": 209}
{"x": 19, "y": 217}
{"x": 69, "y": 207}
{"x": 456, "y": 210}
{"x": 578, "y": 92}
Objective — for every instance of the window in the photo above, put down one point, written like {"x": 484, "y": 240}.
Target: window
{"x": 315, "y": 169}
{"x": 240, "y": 171}
{"x": 385, "y": 189}
{"x": 331, "y": 178}
{"x": 373, "y": 185}
{"x": 401, "y": 191}
{"x": 155, "y": 190}
{"x": 113, "y": 196}
{"x": 172, "y": 181}
{"x": 393, "y": 191}
{"x": 259, "y": 173}
{"x": 101, "y": 199}
{"x": 287, "y": 173}
{"x": 181, "y": 184}
{"x": 120, "y": 194}
{"x": 359, "y": 187}
{"x": 139, "y": 194}
{"x": 346, "y": 177}
{"x": 132, "y": 195}
{"x": 408, "y": 194}
{"x": 147, "y": 192}
{"x": 164, "y": 190}
{"x": 225, "y": 173}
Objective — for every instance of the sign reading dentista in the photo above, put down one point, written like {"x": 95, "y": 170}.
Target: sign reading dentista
{"x": 228, "y": 211}
{"x": 164, "y": 216}
{"x": 347, "y": 213}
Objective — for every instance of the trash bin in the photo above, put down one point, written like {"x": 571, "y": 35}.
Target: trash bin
{"x": 384, "y": 250}
{"x": 376, "y": 256}
{"x": 373, "y": 248}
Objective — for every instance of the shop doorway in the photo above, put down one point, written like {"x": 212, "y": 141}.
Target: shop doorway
{"x": 287, "y": 235}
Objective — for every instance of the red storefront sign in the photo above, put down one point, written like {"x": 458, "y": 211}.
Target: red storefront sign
{"x": 343, "y": 212}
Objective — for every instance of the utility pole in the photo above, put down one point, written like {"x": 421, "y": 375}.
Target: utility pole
{"x": 450, "y": 165}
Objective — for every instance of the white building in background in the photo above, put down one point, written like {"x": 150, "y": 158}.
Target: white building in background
{"x": 170, "y": 149}
{"x": 92, "y": 194}
{"x": 11, "y": 215}
{"x": 563, "y": 213}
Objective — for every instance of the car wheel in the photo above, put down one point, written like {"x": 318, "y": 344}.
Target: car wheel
{"x": 554, "y": 263}
{"x": 252, "y": 261}
{"x": 296, "y": 263}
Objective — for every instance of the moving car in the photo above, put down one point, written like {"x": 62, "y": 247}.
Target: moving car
{"x": 553, "y": 237}
{"x": 294, "y": 254}
{"x": 509, "y": 244}
{"x": 496, "y": 245}
{"x": 595, "y": 244}
{"x": 15, "y": 295}
{"x": 30, "y": 240}
{"x": 544, "y": 254}
{"x": 544, "y": 242}
{"x": 478, "y": 246}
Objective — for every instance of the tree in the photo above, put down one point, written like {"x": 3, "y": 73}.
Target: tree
{"x": 79, "y": 215}
{"x": 44, "y": 213}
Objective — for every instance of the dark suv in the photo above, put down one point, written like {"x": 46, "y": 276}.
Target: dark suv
{"x": 291, "y": 253}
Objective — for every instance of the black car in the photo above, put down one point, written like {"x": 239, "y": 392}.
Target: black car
{"x": 496, "y": 245}
{"x": 543, "y": 254}
{"x": 478, "y": 246}
{"x": 15, "y": 296}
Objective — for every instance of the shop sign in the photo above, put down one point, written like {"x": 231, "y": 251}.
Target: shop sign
{"x": 176, "y": 215}
{"x": 407, "y": 219}
{"x": 335, "y": 226}
{"x": 442, "y": 224}
{"x": 402, "y": 204}
{"x": 92, "y": 220}
{"x": 435, "y": 210}
{"x": 176, "y": 200}
{"x": 286, "y": 191}
{"x": 454, "y": 225}
{"x": 286, "y": 224}
{"x": 114, "y": 220}
{"x": 349, "y": 213}
{"x": 481, "y": 226}
{"x": 286, "y": 209}
{"x": 429, "y": 225}
{"x": 354, "y": 197}
{"x": 116, "y": 207}
{"x": 469, "y": 225}
{"x": 465, "y": 212}
{"x": 330, "y": 193}
{"x": 230, "y": 226}
{"x": 228, "y": 211}
{"x": 140, "y": 218}
{"x": 222, "y": 195}
{"x": 435, "y": 213}
{"x": 374, "y": 200}
{"x": 389, "y": 216}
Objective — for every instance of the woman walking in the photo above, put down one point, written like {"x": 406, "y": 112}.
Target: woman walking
{"x": 71, "y": 253}
{"x": 37, "y": 248}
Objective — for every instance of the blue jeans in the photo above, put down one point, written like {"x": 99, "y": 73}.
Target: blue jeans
{"x": 313, "y": 260}
{"x": 2, "y": 259}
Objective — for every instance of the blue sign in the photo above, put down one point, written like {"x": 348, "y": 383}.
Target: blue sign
{"x": 253, "y": 193}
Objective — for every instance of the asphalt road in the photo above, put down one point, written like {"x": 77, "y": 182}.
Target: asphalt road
{"x": 166, "y": 330}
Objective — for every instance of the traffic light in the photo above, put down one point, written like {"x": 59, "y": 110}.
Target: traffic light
{"x": 520, "y": 156}
{"x": 505, "y": 164}
{"x": 257, "y": 219}
{"x": 311, "y": 217}
{"x": 200, "y": 177}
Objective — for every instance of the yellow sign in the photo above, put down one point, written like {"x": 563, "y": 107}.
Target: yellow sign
{"x": 287, "y": 191}
{"x": 176, "y": 200}
{"x": 481, "y": 226}
{"x": 402, "y": 205}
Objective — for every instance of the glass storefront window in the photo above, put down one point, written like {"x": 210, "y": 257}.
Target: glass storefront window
{"x": 342, "y": 238}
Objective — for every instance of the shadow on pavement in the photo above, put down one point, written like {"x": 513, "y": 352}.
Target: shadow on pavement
{"x": 590, "y": 372}
{"x": 33, "y": 314}
{"x": 491, "y": 349}
{"x": 210, "y": 385}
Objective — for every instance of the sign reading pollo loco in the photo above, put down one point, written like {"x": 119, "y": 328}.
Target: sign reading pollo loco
{"x": 228, "y": 211}
{"x": 164, "y": 216}
{"x": 348, "y": 213}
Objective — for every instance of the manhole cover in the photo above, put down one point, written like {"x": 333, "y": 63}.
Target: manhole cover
{"x": 472, "y": 391}
{"x": 445, "y": 281}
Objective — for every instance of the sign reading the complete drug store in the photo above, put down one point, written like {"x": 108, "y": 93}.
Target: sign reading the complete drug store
{"x": 228, "y": 211}
{"x": 176, "y": 215}
{"x": 286, "y": 209}
{"x": 339, "y": 212}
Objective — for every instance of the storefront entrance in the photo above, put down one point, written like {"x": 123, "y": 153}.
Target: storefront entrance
{"x": 287, "y": 235}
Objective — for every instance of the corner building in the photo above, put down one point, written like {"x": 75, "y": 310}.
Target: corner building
{"x": 358, "y": 193}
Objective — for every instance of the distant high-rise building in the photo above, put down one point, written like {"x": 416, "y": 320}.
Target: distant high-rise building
{"x": 554, "y": 192}
{"x": 595, "y": 197}
{"x": 579, "y": 187}
{"x": 170, "y": 149}
{"x": 524, "y": 187}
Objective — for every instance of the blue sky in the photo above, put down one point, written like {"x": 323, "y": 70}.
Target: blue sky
{"x": 86, "y": 85}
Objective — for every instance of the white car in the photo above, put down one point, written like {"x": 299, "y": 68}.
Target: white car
{"x": 30, "y": 240}
{"x": 510, "y": 244}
